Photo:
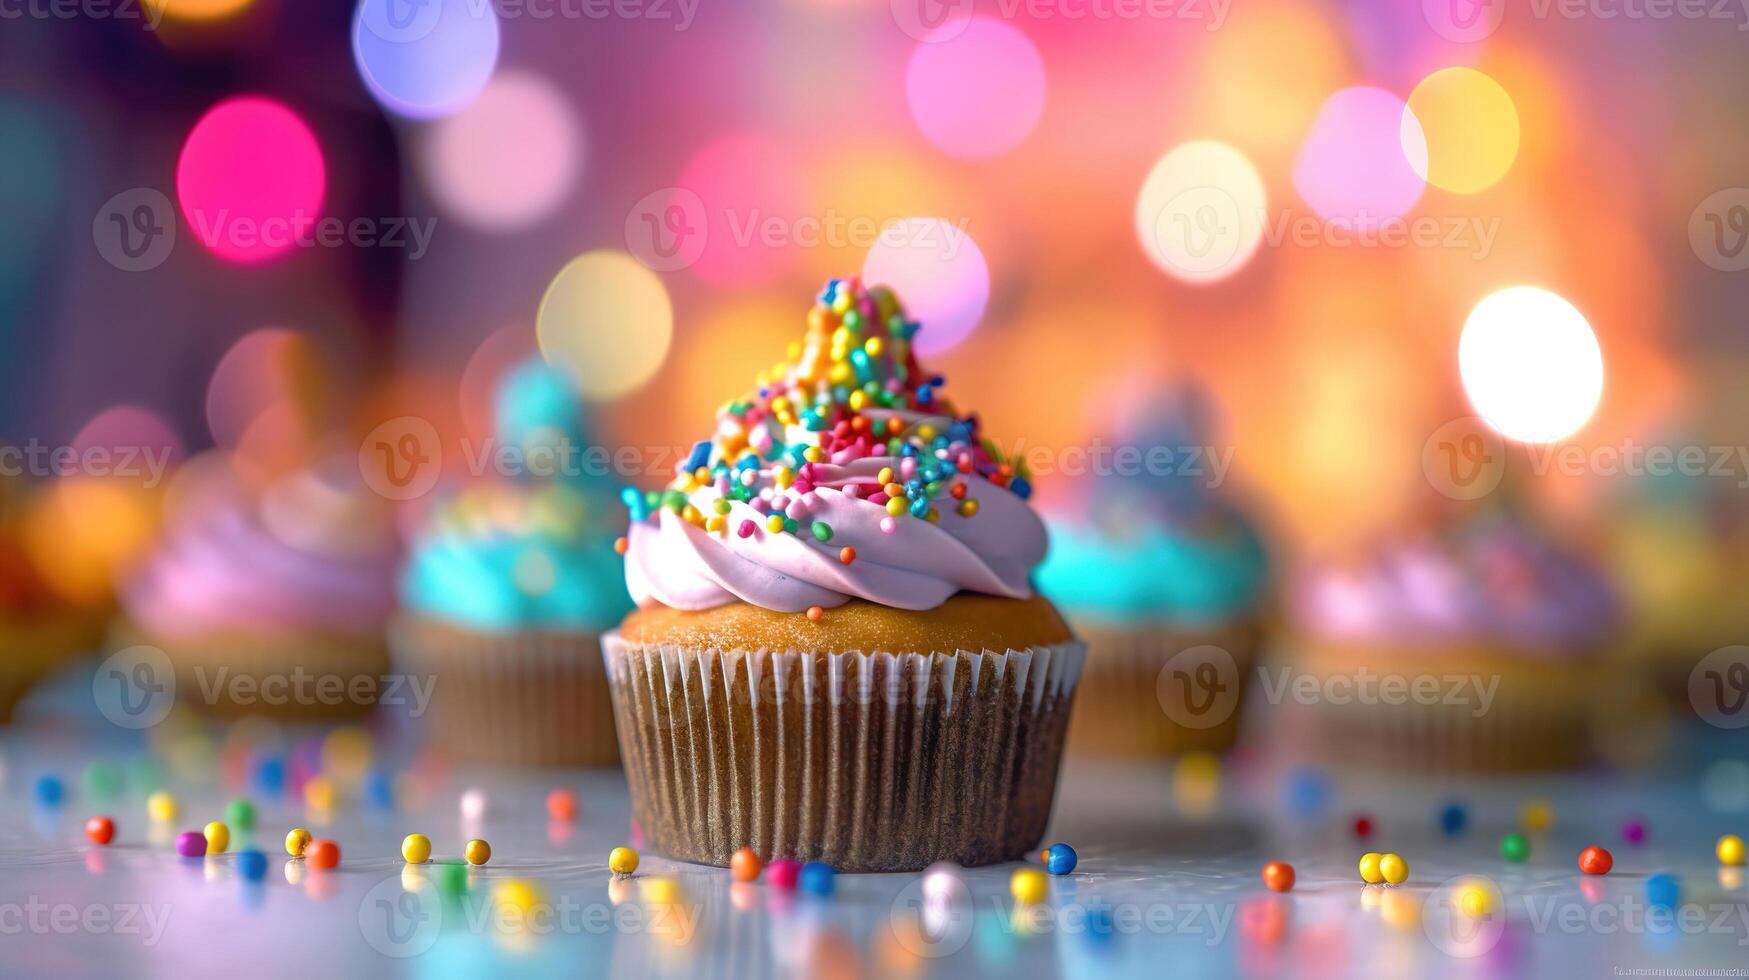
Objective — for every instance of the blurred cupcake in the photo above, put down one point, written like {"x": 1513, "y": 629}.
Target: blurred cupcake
{"x": 1475, "y": 649}
{"x": 507, "y": 590}
{"x": 39, "y": 630}
{"x": 271, "y": 602}
{"x": 1680, "y": 554}
{"x": 837, "y": 654}
{"x": 1165, "y": 579}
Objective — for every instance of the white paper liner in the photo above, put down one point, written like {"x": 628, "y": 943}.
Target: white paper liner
{"x": 1120, "y": 713}
{"x": 868, "y": 761}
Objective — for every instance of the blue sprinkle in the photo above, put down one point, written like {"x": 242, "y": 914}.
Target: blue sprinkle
{"x": 252, "y": 865}
{"x": 701, "y": 454}
{"x": 1021, "y": 487}
{"x": 1663, "y": 890}
{"x": 817, "y": 878}
{"x": 1307, "y": 791}
{"x": 270, "y": 775}
{"x": 1453, "y": 819}
{"x": 1060, "y": 859}
{"x": 379, "y": 789}
{"x": 49, "y": 791}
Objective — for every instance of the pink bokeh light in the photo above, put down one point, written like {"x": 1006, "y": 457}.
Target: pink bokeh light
{"x": 1354, "y": 166}
{"x": 980, "y": 91}
{"x": 250, "y": 179}
{"x": 750, "y": 199}
{"x": 940, "y": 275}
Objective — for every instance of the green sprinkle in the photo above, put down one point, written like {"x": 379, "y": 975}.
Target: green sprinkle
{"x": 822, "y": 531}
{"x": 791, "y": 525}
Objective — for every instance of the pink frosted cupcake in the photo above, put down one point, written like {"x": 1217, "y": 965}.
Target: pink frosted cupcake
{"x": 273, "y": 603}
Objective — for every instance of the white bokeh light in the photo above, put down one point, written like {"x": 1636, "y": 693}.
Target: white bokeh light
{"x": 1530, "y": 364}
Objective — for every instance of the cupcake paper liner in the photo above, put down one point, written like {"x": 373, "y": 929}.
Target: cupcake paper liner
{"x": 867, "y": 761}
{"x": 527, "y": 698}
{"x": 1122, "y": 713}
{"x": 1539, "y": 717}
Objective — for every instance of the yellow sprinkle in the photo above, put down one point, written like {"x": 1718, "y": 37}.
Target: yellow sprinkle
{"x": 933, "y": 517}
{"x": 296, "y": 841}
{"x": 721, "y": 506}
{"x": 926, "y": 431}
{"x": 716, "y": 522}
{"x": 840, "y": 373}
{"x": 319, "y": 794}
{"x": 840, "y": 339}
{"x": 774, "y": 523}
{"x": 874, "y": 346}
{"x": 794, "y": 350}
{"x": 783, "y": 477}
{"x": 893, "y": 489}
{"x": 858, "y": 400}
{"x": 814, "y": 454}
{"x": 896, "y": 506}
{"x": 885, "y": 476}
{"x": 702, "y": 475}
{"x": 968, "y": 508}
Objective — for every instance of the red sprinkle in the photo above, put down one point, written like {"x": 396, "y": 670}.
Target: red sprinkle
{"x": 847, "y": 555}
{"x": 815, "y": 612}
{"x": 621, "y": 544}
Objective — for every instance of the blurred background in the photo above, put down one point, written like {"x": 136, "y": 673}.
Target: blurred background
{"x": 244, "y": 235}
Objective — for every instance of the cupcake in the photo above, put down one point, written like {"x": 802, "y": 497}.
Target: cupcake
{"x": 1478, "y": 648}
{"x": 271, "y": 602}
{"x": 506, "y": 591}
{"x": 837, "y": 654}
{"x": 1679, "y": 553}
{"x": 1165, "y": 579}
{"x": 39, "y": 631}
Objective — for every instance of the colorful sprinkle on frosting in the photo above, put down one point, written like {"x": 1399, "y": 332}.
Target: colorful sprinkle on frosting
{"x": 849, "y": 424}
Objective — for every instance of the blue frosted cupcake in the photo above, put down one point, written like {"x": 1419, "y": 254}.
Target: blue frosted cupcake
{"x": 506, "y": 590}
{"x": 1166, "y": 580}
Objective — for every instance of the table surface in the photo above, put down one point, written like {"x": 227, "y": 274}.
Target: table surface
{"x": 1168, "y": 878}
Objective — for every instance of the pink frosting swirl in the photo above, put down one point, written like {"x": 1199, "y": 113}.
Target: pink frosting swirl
{"x": 917, "y": 566}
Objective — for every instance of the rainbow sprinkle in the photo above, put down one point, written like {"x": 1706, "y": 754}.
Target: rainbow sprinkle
{"x": 850, "y": 389}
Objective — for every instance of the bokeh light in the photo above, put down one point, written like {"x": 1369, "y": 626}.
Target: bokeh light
{"x": 1468, "y": 126}
{"x": 938, "y": 273}
{"x": 1361, "y": 163}
{"x": 980, "y": 92}
{"x": 753, "y": 193}
{"x": 1530, "y": 364}
{"x": 1201, "y": 211}
{"x": 194, "y": 10}
{"x": 265, "y": 395}
{"x": 250, "y": 179}
{"x": 478, "y": 388}
{"x": 430, "y": 64}
{"x": 506, "y": 161}
{"x": 607, "y": 320}
{"x": 29, "y": 193}
{"x": 132, "y": 432}
{"x": 1266, "y": 72}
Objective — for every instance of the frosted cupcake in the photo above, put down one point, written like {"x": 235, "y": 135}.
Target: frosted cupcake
{"x": 1483, "y": 646}
{"x": 837, "y": 654}
{"x": 1165, "y": 579}
{"x": 506, "y": 592}
{"x": 273, "y": 603}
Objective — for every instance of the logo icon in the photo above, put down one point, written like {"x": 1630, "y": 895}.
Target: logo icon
{"x": 1465, "y": 916}
{"x": 1718, "y": 230}
{"x": 135, "y": 687}
{"x": 402, "y": 458}
{"x": 1200, "y": 231}
{"x": 405, "y": 21}
{"x": 1464, "y": 21}
{"x": 1199, "y": 687}
{"x": 401, "y": 916}
{"x": 135, "y": 230}
{"x": 932, "y": 916}
{"x": 667, "y": 229}
{"x": 1718, "y": 687}
{"x": 932, "y": 21}
{"x": 1464, "y": 459}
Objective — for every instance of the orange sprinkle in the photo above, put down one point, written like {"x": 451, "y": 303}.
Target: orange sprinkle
{"x": 847, "y": 555}
{"x": 958, "y": 491}
{"x": 815, "y": 612}
{"x": 620, "y": 544}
